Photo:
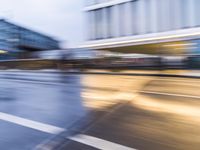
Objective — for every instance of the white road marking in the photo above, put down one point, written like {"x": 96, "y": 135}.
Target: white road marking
{"x": 33, "y": 82}
{"x": 84, "y": 139}
{"x": 31, "y": 124}
{"x": 180, "y": 82}
{"x": 170, "y": 94}
{"x": 98, "y": 143}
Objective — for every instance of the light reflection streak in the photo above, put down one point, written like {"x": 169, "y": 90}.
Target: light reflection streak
{"x": 178, "y": 108}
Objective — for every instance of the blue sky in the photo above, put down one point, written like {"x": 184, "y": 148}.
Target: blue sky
{"x": 62, "y": 19}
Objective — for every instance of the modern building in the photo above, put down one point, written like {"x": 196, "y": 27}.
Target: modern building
{"x": 15, "y": 39}
{"x": 143, "y": 26}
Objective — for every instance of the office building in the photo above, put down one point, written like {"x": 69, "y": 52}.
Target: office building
{"x": 14, "y": 39}
{"x": 142, "y": 25}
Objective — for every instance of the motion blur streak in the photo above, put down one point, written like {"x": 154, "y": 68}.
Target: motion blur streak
{"x": 104, "y": 93}
{"x": 149, "y": 119}
{"x": 179, "y": 108}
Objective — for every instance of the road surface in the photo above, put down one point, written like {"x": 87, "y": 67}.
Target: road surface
{"x": 83, "y": 112}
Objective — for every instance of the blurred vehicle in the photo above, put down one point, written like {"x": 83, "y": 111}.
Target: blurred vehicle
{"x": 174, "y": 62}
{"x": 91, "y": 59}
{"x": 193, "y": 61}
{"x": 65, "y": 54}
{"x": 50, "y": 54}
{"x": 131, "y": 61}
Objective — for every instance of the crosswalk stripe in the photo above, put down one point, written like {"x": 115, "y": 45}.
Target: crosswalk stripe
{"x": 31, "y": 124}
{"x": 81, "y": 138}
{"x": 98, "y": 143}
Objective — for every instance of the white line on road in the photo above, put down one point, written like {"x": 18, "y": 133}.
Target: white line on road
{"x": 98, "y": 143}
{"x": 33, "y": 82}
{"x": 31, "y": 124}
{"x": 170, "y": 94}
{"x": 180, "y": 82}
{"x": 84, "y": 139}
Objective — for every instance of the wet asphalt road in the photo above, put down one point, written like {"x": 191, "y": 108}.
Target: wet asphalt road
{"x": 144, "y": 113}
{"x": 48, "y": 101}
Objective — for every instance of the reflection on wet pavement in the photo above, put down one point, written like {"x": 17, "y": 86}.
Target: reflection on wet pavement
{"x": 104, "y": 91}
{"x": 166, "y": 119}
{"x": 144, "y": 113}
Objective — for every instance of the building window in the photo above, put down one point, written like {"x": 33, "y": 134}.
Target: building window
{"x": 148, "y": 16}
{"x": 122, "y": 19}
{"x": 163, "y": 15}
{"x": 109, "y": 20}
{"x": 196, "y": 12}
{"x": 184, "y": 8}
{"x": 91, "y": 25}
{"x": 135, "y": 17}
{"x": 99, "y": 24}
{"x": 173, "y": 15}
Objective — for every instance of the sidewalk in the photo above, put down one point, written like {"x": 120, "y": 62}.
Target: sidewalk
{"x": 163, "y": 73}
{"x": 159, "y": 73}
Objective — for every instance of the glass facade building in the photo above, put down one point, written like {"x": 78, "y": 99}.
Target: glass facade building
{"x": 14, "y": 38}
{"x": 114, "y": 19}
{"x": 140, "y": 16}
